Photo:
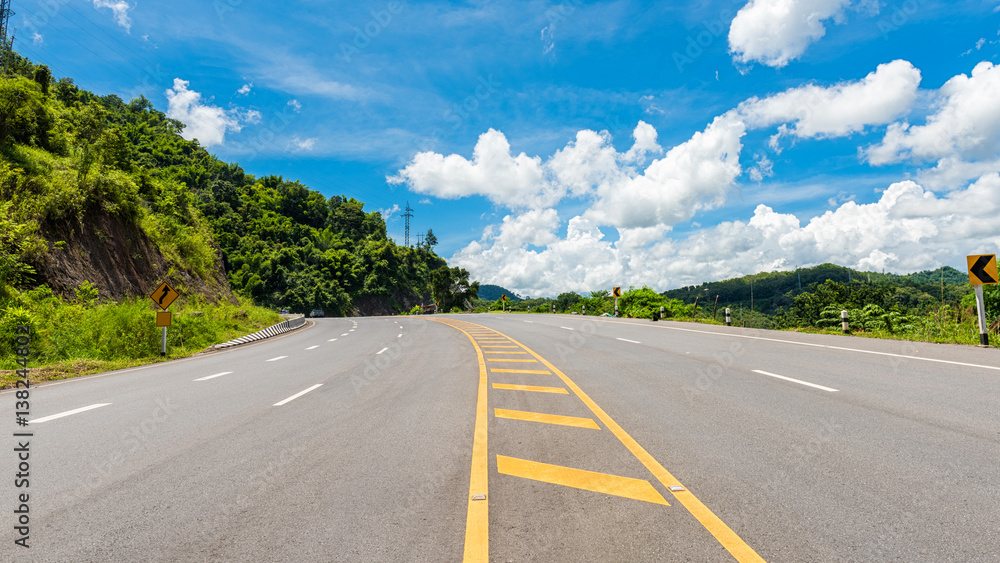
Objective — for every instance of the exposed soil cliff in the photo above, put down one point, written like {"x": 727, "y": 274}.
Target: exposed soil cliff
{"x": 119, "y": 258}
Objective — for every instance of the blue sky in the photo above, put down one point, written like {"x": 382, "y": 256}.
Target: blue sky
{"x": 557, "y": 146}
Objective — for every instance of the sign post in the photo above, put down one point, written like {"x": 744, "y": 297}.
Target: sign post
{"x": 982, "y": 271}
{"x": 163, "y": 296}
{"x": 503, "y": 302}
{"x": 617, "y": 293}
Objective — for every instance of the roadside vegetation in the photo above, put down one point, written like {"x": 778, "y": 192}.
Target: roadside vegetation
{"x": 84, "y": 335}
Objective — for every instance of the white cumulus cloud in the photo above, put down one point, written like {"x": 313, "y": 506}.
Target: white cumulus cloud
{"x": 204, "y": 122}
{"x": 840, "y": 109}
{"x": 962, "y": 134}
{"x": 493, "y": 172}
{"x": 774, "y": 32}
{"x": 119, "y": 9}
{"x": 875, "y": 236}
{"x": 304, "y": 145}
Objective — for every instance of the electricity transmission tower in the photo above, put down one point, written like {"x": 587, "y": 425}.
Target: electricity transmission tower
{"x": 8, "y": 46}
{"x": 408, "y": 214}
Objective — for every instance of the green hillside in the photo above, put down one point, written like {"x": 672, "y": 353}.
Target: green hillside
{"x": 104, "y": 196}
{"x": 773, "y": 291}
{"x": 488, "y": 292}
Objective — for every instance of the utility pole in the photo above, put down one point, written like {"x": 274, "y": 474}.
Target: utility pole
{"x": 408, "y": 214}
{"x": 5, "y": 14}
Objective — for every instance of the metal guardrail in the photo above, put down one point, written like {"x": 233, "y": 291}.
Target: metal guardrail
{"x": 280, "y": 328}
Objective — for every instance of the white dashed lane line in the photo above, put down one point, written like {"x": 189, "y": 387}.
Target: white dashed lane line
{"x": 206, "y": 378}
{"x": 313, "y": 347}
{"x": 297, "y": 395}
{"x": 67, "y": 413}
{"x": 345, "y": 334}
{"x": 627, "y": 340}
{"x": 382, "y": 350}
{"x": 276, "y": 359}
{"x": 332, "y": 340}
{"x": 567, "y": 328}
{"x": 799, "y": 381}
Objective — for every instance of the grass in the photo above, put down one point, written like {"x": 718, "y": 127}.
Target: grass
{"x": 72, "y": 338}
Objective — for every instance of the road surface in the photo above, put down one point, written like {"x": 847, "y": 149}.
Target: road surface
{"x": 588, "y": 439}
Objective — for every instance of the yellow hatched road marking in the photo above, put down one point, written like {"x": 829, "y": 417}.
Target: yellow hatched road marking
{"x": 477, "y": 521}
{"x": 547, "y": 418}
{"x": 636, "y": 489}
{"x": 525, "y": 353}
{"x": 723, "y": 533}
{"x": 510, "y": 360}
{"x": 535, "y": 388}
{"x": 505, "y": 370}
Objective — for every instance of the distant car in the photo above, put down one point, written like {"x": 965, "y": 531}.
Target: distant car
{"x": 316, "y": 313}
{"x": 283, "y": 312}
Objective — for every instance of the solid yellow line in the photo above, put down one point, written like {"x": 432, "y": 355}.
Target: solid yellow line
{"x": 535, "y": 388}
{"x": 723, "y": 533}
{"x": 505, "y": 370}
{"x": 547, "y": 418}
{"x": 510, "y": 360}
{"x": 636, "y": 489}
{"x": 477, "y": 521}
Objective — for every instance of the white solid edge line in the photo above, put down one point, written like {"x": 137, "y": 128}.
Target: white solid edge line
{"x": 276, "y": 359}
{"x": 845, "y": 349}
{"x": 627, "y": 340}
{"x": 67, "y": 413}
{"x": 297, "y": 395}
{"x": 794, "y": 380}
{"x": 382, "y": 350}
{"x": 213, "y": 376}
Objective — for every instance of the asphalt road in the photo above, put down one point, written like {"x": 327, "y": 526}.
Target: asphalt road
{"x": 589, "y": 439}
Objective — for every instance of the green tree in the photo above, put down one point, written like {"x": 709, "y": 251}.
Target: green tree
{"x": 451, "y": 288}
